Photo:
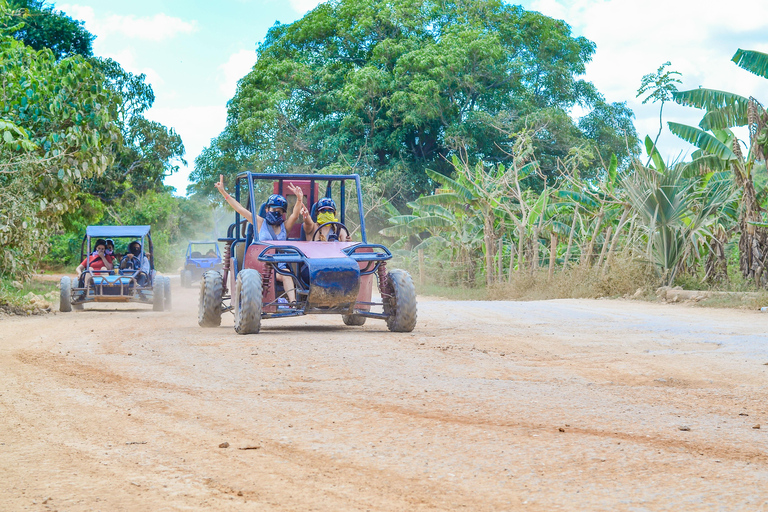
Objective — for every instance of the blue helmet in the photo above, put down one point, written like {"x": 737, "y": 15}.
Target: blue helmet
{"x": 277, "y": 201}
{"x": 326, "y": 203}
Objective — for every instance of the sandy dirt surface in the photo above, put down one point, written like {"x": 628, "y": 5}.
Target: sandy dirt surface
{"x": 545, "y": 406}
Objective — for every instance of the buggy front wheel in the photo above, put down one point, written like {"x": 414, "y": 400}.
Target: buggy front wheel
{"x": 249, "y": 301}
{"x": 209, "y": 307}
{"x": 401, "y": 305}
{"x": 158, "y": 294}
{"x": 65, "y": 295}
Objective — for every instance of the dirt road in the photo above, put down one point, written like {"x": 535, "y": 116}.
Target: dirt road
{"x": 542, "y": 406}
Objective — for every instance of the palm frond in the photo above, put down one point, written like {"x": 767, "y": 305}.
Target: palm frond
{"x": 580, "y": 198}
{"x": 752, "y": 61}
{"x": 702, "y": 140}
{"x": 725, "y": 117}
{"x": 708, "y": 99}
{"x": 467, "y": 193}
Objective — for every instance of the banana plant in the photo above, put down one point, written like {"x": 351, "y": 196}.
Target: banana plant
{"x": 719, "y": 149}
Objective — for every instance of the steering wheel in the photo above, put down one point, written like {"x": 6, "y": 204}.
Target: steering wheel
{"x": 321, "y": 226}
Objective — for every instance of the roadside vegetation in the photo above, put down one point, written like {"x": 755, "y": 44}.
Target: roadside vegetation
{"x": 456, "y": 115}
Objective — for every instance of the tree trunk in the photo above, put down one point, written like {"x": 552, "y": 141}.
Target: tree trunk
{"x": 500, "y": 262}
{"x": 520, "y": 249}
{"x": 599, "y": 223}
{"x": 489, "y": 247}
{"x": 605, "y": 247}
{"x": 552, "y": 254}
{"x": 511, "y": 261}
{"x": 753, "y": 241}
{"x": 570, "y": 239}
{"x": 616, "y": 237}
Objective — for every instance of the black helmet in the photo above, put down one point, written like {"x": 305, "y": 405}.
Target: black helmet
{"x": 134, "y": 247}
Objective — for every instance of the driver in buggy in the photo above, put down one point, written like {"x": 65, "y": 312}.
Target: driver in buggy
{"x": 327, "y": 223}
{"x": 135, "y": 260}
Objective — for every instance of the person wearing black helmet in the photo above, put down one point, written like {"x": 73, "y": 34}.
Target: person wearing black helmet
{"x": 276, "y": 226}
{"x": 326, "y": 212}
{"x": 135, "y": 259}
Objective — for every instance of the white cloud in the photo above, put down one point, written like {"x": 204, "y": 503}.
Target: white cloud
{"x": 151, "y": 28}
{"x": 238, "y": 65}
{"x": 635, "y": 37}
{"x": 196, "y": 126}
{"x": 303, "y": 6}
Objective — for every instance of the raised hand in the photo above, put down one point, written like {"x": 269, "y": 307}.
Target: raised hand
{"x": 220, "y": 184}
{"x": 296, "y": 190}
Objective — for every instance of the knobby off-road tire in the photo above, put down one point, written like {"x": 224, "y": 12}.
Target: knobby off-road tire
{"x": 209, "y": 306}
{"x": 249, "y": 294}
{"x": 158, "y": 295}
{"x": 355, "y": 320}
{"x": 402, "y": 306}
{"x": 186, "y": 278}
{"x": 65, "y": 295}
{"x": 167, "y": 293}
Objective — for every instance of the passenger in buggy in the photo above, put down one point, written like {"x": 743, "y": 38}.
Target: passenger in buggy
{"x": 98, "y": 262}
{"x": 137, "y": 261}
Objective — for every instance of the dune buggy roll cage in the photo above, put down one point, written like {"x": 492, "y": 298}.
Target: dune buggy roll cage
{"x": 311, "y": 199}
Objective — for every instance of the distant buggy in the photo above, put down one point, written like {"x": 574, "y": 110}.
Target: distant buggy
{"x": 141, "y": 285}
{"x": 331, "y": 277}
{"x": 201, "y": 257}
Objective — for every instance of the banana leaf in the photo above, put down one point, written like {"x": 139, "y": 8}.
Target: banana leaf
{"x": 702, "y": 140}
{"x": 709, "y": 99}
{"x": 654, "y": 154}
{"x": 752, "y": 61}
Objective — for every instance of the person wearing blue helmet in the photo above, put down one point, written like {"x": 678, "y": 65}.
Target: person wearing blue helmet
{"x": 326, "y": 213}
{"x": 276, "y": 226}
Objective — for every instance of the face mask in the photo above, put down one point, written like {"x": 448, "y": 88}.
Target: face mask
{"x": 274, "y": 218}
{"x": 109, "y": 251}
{"x": 324, "y": 217}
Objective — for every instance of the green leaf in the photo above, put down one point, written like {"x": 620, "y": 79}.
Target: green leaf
{"x": 752, "y": 61}
{"x": 654, "y": 154}
{"x": 702, "y": 140}
{"x": 709, "y": 99}
{"x": 725, "y": 117}
{"x": 612, "y": 167}
{"x": 459, "y": 189}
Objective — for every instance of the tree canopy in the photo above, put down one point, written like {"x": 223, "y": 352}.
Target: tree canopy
{"x": 392, "y": 88}
{"x": 44, "y": 27}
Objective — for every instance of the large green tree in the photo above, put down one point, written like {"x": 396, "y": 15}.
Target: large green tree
{"x": 45, "y": 27}
{"x": 392, "y": 88}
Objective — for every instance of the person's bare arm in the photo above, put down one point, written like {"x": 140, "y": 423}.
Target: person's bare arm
{"x": 309, "y": 224}
{"x": 233, "y": 202}
{"x": 297, "y": 207}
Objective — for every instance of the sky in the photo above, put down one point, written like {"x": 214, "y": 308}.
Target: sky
{"x": 193, "y": 53}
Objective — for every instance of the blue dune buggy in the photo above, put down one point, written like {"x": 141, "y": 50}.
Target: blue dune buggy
{"x": 128, "y": 285}
{"x": 201, "y": 257}
{"x": 329, "y": 277}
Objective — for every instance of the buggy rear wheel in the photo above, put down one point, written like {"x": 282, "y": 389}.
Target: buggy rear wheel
{"x": 65, "y": 295}
{"x": 401, "y": 306}
{"x": 249, "y": 301}
{"x": 209, "y": 307}
{"x": 355, "y": 320}
{"x": 158, "y": 295}
{"x": 167, "y": 293}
